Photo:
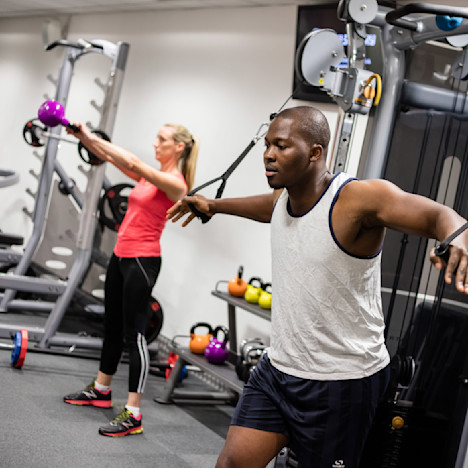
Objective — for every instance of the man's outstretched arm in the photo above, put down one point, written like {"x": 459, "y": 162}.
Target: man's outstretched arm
{"x": 257, "y": 207}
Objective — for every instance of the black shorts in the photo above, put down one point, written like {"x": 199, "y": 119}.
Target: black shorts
{"x": 327, "y": 422}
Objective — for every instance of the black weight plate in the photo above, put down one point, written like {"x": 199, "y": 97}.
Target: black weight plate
{"x": 87, "y": 156}
{"x": 113, "y": 205}
{"x": 155, "y": 322}
{"x": 32, "y": 133}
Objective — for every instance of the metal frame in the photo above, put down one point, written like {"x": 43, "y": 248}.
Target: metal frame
{"x": 118, "y": 53}
{"x": 396, "y": 91}
{"x": 223, "y": 374}
{"x": 398, "y": 36}
{"x": 343, "y": 85}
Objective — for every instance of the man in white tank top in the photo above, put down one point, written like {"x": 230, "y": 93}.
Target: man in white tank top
{"x": 318, "y": 385}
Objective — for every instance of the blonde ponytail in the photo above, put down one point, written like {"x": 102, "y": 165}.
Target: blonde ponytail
{"x": 188, "y": 158}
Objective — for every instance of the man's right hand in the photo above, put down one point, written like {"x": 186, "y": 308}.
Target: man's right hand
{"x": 182, "y": 207}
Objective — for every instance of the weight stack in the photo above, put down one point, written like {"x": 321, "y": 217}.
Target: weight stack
{"x": 386, "y": 444}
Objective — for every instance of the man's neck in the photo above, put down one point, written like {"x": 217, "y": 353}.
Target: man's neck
{"x": 303, "y": 197}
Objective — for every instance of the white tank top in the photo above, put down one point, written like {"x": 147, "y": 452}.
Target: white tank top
{"x": 327, "y": 321}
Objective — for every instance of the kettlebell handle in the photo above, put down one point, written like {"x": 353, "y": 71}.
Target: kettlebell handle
{"x": 201, "y": 324}
{"x": 256, "y": 279}
{"x": 250, "y": 341}
{"x": 266, "y": 287}
{"x": 225, "y": 331}
{"x": 254, "y": 352}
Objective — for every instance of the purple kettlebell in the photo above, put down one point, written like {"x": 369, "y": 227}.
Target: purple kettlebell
{"x": 216, "y": 351}
{"x": 51, "y": 113}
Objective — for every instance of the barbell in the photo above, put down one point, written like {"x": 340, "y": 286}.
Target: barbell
{"x": 34, "y": 134}
{"x": 18, "y": 348}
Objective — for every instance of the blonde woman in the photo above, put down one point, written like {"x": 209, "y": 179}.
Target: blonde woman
{"x": 135, "y": 263}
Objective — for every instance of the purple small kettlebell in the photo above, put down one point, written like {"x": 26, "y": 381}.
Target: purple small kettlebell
{"x": 51, "y": 113}
{"x": 216, "y": 352}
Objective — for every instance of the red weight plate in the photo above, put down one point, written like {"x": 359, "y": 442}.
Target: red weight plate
{"x": 24, "y": 348}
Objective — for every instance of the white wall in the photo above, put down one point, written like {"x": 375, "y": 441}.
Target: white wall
{"x": 220, "y": 72}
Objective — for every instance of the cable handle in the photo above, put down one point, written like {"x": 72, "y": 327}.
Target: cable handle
{"x": 261, "y": 132}
{"x": 442, "y": 250}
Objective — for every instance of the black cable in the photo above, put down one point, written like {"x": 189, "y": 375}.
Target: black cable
{"x": 224, "y": 177}
{"x": 404, "y": 241}
{"x": 433, "y": 190}
{"x": 425, "y": 361}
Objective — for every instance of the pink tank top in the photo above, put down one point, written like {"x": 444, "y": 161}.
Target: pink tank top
{"x": 144, "y": 221}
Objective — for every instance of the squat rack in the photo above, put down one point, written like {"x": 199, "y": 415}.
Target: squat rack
{"x": 64, "y": 290}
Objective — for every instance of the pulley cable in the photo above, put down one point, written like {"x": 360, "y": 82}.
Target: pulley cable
{"x": 261, "y": 132}
{"x": 435, "y": 181}
{"x": 404, "y": 240}
{"x": 442, "y": 251}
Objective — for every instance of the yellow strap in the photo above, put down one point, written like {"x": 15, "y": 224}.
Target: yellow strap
{"x": 378, "y": 87}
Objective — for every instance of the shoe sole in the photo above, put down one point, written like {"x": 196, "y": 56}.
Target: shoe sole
{"x": 122, "y": 434}
{"x": 99, "y": 404}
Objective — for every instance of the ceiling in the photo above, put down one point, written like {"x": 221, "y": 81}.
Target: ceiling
{"x": 19, "y": 8}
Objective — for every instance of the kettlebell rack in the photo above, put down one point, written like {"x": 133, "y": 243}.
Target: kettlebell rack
{"x": 224, "y": 373}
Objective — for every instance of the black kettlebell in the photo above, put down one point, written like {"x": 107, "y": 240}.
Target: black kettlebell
{"x": 252, "y": 356}
{"x": 240, "y": 363}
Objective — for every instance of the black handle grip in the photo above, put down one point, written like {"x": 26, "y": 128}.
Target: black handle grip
{"x": 75, "y": 45}
{"x": 73, "y": 127}
{"x": 204, "y": 218}
{"x": 442, "y": 251}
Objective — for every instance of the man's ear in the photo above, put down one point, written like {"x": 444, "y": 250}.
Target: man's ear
{"x": 316, "y": 152}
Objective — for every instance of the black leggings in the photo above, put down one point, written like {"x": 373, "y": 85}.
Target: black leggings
{"x": 128, "y": 287}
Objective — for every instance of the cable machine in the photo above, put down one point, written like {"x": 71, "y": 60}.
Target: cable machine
{"x": 417, "y": 137}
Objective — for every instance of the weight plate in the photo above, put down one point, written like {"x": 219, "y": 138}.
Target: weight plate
{"x": 155, "y": 320}
{"x": 15, "y": 351}
{"x": 113, "y": 205}
{"x": 32, "y": 133}
{"x": 23, "y": 348}
{"x": 89, "y": 157}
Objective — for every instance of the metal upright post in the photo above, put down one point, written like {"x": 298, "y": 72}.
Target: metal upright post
{"x": 45, "y": 182}
{"x": 88, "y": 219}
{"x": 394, "y": 69}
